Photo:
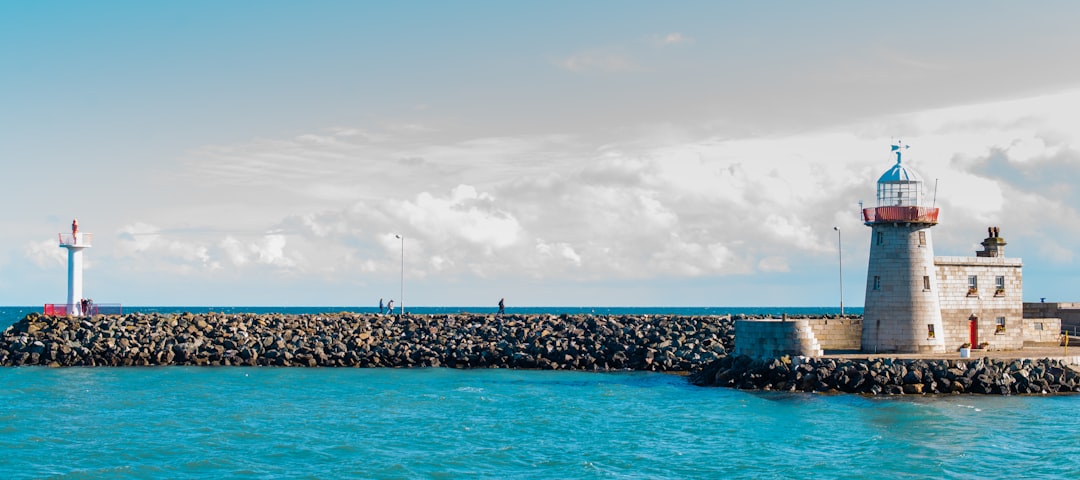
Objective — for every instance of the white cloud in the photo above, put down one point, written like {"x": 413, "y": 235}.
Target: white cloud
{"x": 271, "y": 251}
{"x": 465, "y": 215}
{"x": 670, "y": 204}
{"x": 561, "y": 251}
{"x": 150, "y": 246}
{"x": 46, "y": 253}
{"x": 235, "y": 252}
{"x": 773, "y": 264}
{"x": 597, "y": 60}
{"x": 268, "y": 249}
{"x": 673, "y": 38}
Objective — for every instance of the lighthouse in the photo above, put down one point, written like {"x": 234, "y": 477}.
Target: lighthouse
{"x": 902, "y": 311}
{"x": 75, "y": 243}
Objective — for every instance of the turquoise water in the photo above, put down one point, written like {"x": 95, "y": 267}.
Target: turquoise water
{"x": 442, "y": 423}
{"x": 230, "y": 422}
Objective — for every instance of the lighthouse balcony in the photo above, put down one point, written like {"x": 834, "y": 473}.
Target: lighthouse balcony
{"x": 900, "y": 214}
{"x": 76, "y": 239}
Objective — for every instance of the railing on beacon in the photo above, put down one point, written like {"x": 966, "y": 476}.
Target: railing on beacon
{"x": 76, "y": 240}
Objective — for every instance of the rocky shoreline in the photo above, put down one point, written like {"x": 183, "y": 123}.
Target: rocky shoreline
{"x": 578, "y": 342}
{"x": 888, "y": 376}
{"x": 698, "y": 345}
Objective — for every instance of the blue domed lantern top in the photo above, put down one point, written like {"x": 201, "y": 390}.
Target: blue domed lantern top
{"x": 900, "y": 186}
{"x": 899, "y": 196}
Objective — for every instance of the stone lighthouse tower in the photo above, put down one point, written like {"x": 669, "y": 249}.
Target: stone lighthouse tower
{"x": 75, "y": 243}
{"x": 902, "y": 313}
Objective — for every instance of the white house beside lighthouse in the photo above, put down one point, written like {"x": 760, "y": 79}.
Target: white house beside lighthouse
{"x": 902, "y": 311}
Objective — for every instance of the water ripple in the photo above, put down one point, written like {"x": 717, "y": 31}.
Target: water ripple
{"x": 442, "y": 423}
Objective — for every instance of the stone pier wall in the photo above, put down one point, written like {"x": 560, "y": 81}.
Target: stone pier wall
{"x": 1068, "y": 312}
{"x": 837, "y": 333}
{"x": 1042, "y": 331}
{"x": 774, "y": 337}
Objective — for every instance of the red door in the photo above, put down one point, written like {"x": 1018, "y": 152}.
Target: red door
{"x": 973, "y": 327}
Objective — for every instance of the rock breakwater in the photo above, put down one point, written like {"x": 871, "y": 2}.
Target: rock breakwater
{"x": 696, "y": 344}
{"x": 887, "y": 376}
{"x": 578, "y": 342}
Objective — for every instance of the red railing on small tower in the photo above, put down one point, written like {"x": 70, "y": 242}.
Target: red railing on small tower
{"x": 900, "y": 215}
{"x": 62, "y": 310}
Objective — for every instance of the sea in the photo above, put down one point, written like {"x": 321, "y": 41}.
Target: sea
{"x": 264, "y": 422}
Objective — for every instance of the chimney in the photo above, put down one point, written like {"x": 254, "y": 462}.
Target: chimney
{"x": 994, "y": 245}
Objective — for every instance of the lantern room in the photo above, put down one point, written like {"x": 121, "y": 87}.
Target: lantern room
{"x": 900, "y": 196}
{"x": 900, "y": 186}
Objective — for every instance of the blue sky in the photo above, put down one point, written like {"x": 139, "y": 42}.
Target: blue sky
{"x": 553, "y": 153}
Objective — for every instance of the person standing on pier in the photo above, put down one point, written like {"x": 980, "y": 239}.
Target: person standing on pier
{"x": 390, "y": 307}
{"x": 380, "y": 306}
{"x": 502, "y": 306}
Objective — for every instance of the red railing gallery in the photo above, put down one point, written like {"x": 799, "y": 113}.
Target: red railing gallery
{"x": 900, "y": 215}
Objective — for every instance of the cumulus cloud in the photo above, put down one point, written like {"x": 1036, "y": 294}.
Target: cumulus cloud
{"x": 560, "y": 251}
{"x": 149, "y": 244}
{"x": 773, "y": 264}
{"x": 558, "y": 208}
{"x": 669, "y": 39}
{"x": 268, "y": 249}
{"x": 465, "y": 215}
{"x": 597, "y": 60}
{"x": 46, "y": 253}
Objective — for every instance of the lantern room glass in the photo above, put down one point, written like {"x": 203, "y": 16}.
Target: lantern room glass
{"x": 899, "y": 194}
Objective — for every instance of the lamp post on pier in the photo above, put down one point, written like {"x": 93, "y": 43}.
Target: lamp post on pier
{"x": 401, "y": 297}
{"x": 840, "y": 253}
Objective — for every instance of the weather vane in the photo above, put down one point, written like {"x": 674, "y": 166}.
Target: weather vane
{"x": 897, "y": 147}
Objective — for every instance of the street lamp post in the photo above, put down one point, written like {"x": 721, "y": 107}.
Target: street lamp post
{"x": 402, "y": 293}
{"x": 840, "y": 252}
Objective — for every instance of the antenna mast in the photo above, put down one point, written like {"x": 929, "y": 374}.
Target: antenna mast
{"x": 935, "y": 192}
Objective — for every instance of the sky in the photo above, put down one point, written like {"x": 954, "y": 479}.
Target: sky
{"x": 602, "y": 153}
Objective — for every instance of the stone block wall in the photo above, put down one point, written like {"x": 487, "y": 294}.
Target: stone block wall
{"x": 774, "y": 338}
{"x": 1068, "y": 312}
{"x": 899, "y": 310}
{"x": 1042, "y": 331}
{"x": 986, "y": 304}
{"x": 837, "y": 333}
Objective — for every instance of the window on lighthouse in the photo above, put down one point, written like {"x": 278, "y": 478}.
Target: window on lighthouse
{"x": 877, "y": 282}
{"x": 922, "y": 238}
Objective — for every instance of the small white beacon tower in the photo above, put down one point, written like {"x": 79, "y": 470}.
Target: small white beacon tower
{"x": 75, "y": 242}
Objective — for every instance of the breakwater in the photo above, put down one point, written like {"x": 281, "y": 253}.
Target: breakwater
{"x": 700, "y": 345}
{"x": 890, "y": 376}
{"x": 578, "y": 342}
